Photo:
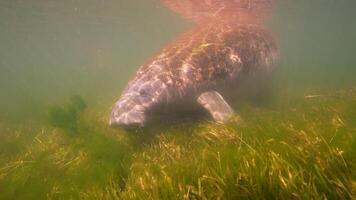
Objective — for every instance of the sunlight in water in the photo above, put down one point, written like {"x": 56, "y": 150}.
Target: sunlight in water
{"x": 234, "y": 99}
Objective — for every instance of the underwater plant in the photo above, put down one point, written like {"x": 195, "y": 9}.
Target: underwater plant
{"x": 67, "y": 116}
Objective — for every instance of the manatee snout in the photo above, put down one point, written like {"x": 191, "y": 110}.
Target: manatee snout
{"x": 127, "y": 112}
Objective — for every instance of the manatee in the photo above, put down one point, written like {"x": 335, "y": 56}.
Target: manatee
{"x": 228, "y": 43}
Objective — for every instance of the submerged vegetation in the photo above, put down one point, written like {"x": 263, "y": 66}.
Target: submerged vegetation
{"x": 301, "y": 148}
{"x": 67, "y": 116}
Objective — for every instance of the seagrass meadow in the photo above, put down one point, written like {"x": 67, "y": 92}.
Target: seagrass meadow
{"x": 301, "y": 149}
{"x": 64, "y": 63}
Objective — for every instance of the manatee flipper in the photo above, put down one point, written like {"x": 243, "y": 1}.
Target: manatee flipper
{"x": 219, "y": 109}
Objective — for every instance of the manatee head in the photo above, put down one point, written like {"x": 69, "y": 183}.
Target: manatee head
{"x": 139, "y": 97}
{"x": 128, "y": 110}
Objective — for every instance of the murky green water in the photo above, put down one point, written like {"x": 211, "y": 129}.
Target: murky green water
{"x": 50, "y": 50}
{"x": 317, "y": 42}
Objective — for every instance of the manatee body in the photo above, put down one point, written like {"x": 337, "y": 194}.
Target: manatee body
{"x": 195, "y": 68}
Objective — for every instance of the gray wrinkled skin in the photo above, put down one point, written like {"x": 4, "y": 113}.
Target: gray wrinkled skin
{"x": 194, "y": 67}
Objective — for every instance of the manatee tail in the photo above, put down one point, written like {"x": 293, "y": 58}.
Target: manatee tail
{"x": 199, "y": 10}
